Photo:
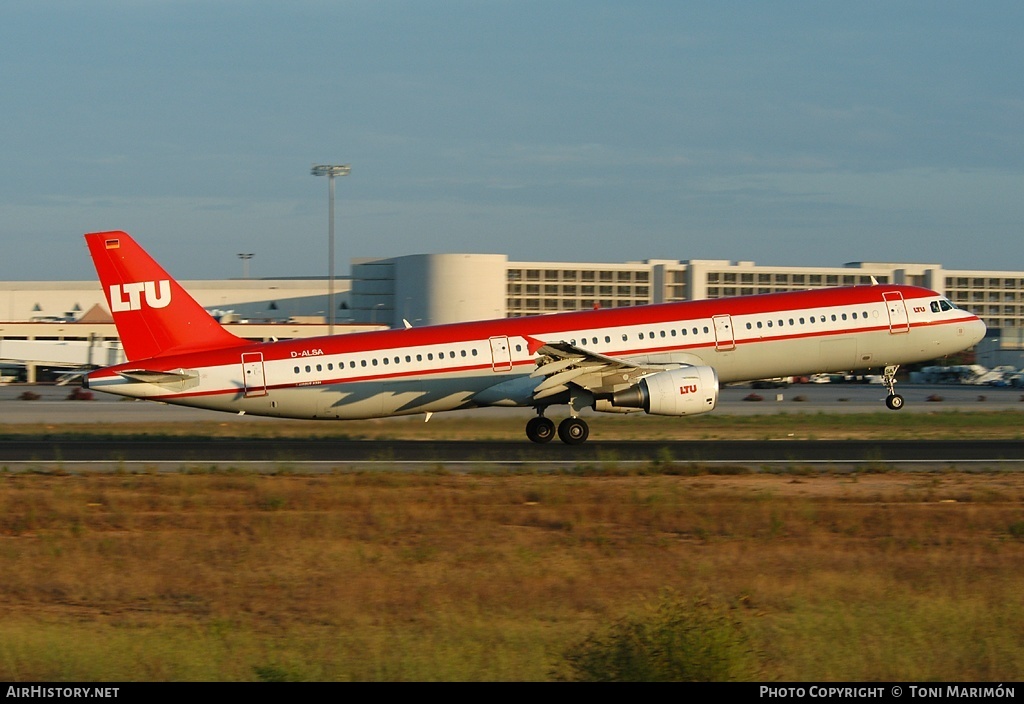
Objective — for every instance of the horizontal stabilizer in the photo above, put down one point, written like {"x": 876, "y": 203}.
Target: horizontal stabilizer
{"x": 148, "y": 376}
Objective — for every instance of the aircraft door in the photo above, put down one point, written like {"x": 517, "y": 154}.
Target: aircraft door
{"x": 253, "y": 376}
{"x": 501, "y": 354}
{"x": 897, "y": 308}
{"x": 725, "y": 338}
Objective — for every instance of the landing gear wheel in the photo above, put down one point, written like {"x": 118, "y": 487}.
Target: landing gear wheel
{"x": 540, "y": 429}
{"x": 894, "y": 401}
{"x": 573, "y": 431}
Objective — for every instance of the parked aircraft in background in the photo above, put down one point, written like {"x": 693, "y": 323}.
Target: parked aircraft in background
{"x": 665, "y": 359}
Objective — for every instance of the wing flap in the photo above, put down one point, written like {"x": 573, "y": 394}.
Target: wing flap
{"x": 563, "y": 364}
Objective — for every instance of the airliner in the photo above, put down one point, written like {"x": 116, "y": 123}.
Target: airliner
{"x": 666, "y": 359}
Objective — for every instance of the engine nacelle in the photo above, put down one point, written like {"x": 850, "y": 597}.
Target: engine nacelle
{"x": 676, "y": 392}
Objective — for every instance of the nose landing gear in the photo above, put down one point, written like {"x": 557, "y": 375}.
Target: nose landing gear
{"x": 894, "y": 401}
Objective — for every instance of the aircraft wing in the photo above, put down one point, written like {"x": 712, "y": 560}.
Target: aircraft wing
{"x": 562, "y": 363}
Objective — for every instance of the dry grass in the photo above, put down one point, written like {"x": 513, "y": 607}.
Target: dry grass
{"x": 403, "y": 576}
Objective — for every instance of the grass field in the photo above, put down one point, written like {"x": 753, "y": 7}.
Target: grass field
{"x": 794, "y": 575}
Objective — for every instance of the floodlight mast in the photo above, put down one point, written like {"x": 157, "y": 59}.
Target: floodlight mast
{"x": 330, "y": 171}
{"x": 245, "y": 257}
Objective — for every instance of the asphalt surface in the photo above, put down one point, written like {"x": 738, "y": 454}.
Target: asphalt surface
{"x": 283, "y": 450}
{"x": 53, "y": 408}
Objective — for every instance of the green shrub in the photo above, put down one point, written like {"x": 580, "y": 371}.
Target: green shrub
{"x": 677, "y": 641}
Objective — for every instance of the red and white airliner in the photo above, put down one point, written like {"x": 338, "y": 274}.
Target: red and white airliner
{"x": 665, "y": 359}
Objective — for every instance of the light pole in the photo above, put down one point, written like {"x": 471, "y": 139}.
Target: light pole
{"x": 330, "y": 171}
{"x": 245, "y": 257}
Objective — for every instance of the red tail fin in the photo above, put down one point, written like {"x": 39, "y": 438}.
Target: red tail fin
{"x": 154, "y": 315}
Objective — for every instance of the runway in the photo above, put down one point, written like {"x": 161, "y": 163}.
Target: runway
{"x": 52, "y": 407}
{"x": 285, "y": 450}
{"x": 81, "y": 453}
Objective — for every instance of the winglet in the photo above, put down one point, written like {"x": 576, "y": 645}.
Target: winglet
{"x": 533, "y": 344}
{"x": 154, "y": 315}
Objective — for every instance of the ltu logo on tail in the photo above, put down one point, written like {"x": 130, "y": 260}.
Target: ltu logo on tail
{"x": 156, "y": 294}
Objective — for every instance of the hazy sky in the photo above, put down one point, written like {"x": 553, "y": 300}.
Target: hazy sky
{"x": 804, "y": 133}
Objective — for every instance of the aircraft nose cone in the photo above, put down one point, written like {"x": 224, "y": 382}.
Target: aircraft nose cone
{"x": 976, "y": 330}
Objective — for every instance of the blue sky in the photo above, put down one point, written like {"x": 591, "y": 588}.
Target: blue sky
{"x": 804, "y": 133}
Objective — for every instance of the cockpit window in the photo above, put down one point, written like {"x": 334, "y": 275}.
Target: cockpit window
{"x": 942, "y": 305}
{"x": 935, "y": 306}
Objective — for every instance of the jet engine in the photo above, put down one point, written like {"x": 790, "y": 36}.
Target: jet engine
{"x": 675, "y": 392}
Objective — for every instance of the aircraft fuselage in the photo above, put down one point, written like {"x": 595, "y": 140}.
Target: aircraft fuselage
{"x": 489, "y": 363}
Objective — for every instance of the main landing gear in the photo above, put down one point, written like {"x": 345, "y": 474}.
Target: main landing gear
{"x": 571, "y": 431}
{"x": 894, "y": 401}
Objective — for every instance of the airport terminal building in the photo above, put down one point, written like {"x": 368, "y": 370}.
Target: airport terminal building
{"x": 429, "y": 289}
{"x": 441, "y": 288}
